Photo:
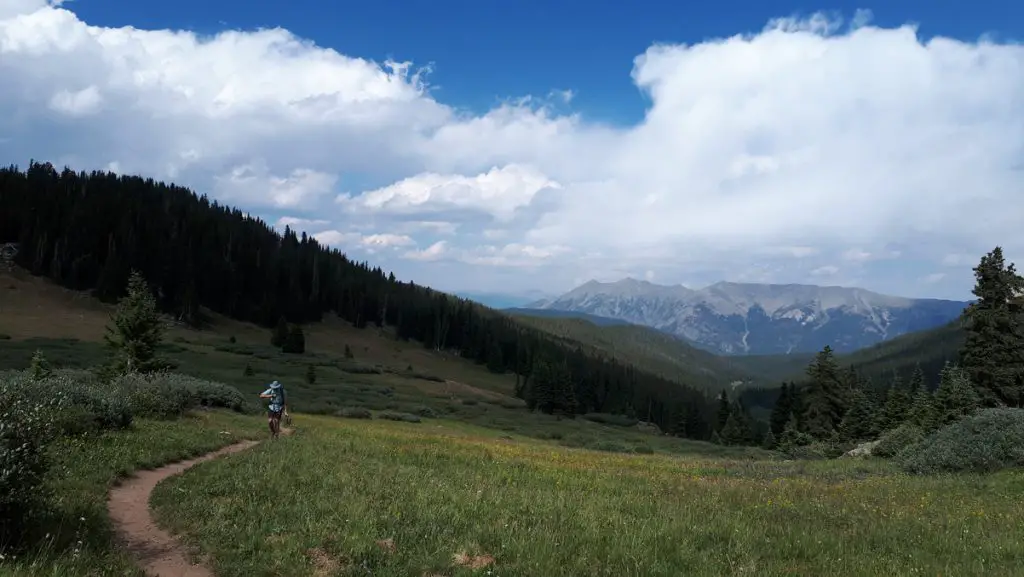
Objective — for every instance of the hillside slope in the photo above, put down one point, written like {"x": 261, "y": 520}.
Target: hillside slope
{"x": 760, "y": 319}
{"x": 654, "y": 350}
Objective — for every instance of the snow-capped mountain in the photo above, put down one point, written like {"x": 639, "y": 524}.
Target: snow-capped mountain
{"x": 751, "y": 319}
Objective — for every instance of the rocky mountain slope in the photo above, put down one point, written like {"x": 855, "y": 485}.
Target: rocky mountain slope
{"x": 760, "y": 319}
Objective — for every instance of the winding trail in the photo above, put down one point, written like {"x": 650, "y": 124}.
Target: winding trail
{"x": 155, "y": 551}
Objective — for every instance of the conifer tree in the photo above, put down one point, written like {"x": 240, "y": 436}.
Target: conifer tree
{"x": 769, "y": 440}
{"x": 897, "y": 402}
{"x": 724, "y": 410}
{"x": 857, "y": 423}
{"x": 993, "y": 350}
{"x": 295, "y": 343}
{"x": 280, "y": 334}
{"x": 39, "y": 367}
{"x": 916, "y": 381}
{"x": 311, "y": 374}
{"x": 135, "y": 331}
{"x": 922, "y": 411}
{"x": 247, "y": 371}
{"x": 822, "y": 399}
{"x": 956, "y": 397}
{"x": 781, "y": 411}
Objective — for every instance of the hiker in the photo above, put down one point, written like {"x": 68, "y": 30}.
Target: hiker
{"x": 278, "y": 406}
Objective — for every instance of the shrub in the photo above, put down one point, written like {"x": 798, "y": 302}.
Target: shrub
{"x": 989, "y": 440}
{"x": 168, "y": 395}
{"x": 613, "y": 420}
{"x": 396, "y": 416}
{"x": 893, "y": 442}
{"x": 28, "y": 422}
{"x": 424, "y": 411}
{"x": 354, "y": 413}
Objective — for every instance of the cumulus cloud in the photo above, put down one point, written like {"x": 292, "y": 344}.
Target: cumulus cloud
{"x": 763, "y": 156}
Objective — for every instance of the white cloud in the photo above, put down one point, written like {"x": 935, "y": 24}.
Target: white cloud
{"x": 498, "y": 192}
{"x": 760, "y": 156}
{"x": 934, "y": 277}
{"x": 431, "y": 253}
{"x": 827, "y": 270}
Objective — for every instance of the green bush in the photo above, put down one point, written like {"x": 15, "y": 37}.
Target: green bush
{"x": 354, "y": 413}
{"x": 424, "y": 411}
{"x": 613, "y": 420}
{"x": 987, "y": 441}
{"x": 896, "y": 440}
{"x": 396, "y": 416}
{"x": 168, "y": 395}
{"x": 28, "y": 422}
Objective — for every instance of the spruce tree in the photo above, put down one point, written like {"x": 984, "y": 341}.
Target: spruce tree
{"x": 724, "y": 410}
{"x": 956, "y": 397}
{"x": 295, "y": 343}
{"x": 916, "y": 381}
{"x": 768, "y": 442}
{"x": 897, "y": 402}
{"x": 247, "y": 371}
{"x": 135, "y": 332}
{"x": 279, "y": 336}
{"x": 311, "y": 374}
{"x": 922, "y": 411}
{"x": 39, "y": 367}
{"x": 993, "y": 350}
{"x": 857, "y": 423}
{"x": 822, "y": 398}
{"x": 781, "y": 411}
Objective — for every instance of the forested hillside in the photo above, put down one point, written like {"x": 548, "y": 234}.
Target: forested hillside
{"x": 88, "y": 231}
{"x": 658, "y": 352}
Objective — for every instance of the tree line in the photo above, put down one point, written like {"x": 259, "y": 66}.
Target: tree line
{"x": 89, "y": 231}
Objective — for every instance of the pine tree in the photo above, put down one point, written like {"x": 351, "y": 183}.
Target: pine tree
{"x": 732, "y": 433}
{"x": 897, "y": 402}
{"x": 39, "y": 367}
{"x": 956, "y": 397}
{"x": 857, "y": 423}
{"x": 247, "y": 371}
{"x": 822, "y": 399}
{"x": 922, "y": 411}
{"x": 311, "y": 374}
{"x": 916, "y": 381}
{"x": 781, "y": 411}
{"x": 724, "y": 411}
{"x": 769, "y": 440}
{"x": 295, "y": 343}
{"x": 993, "y": 350}
{"x": 279, "y": 337}
{"x": 135, "y": 331}
{"x": 495, "y": 363}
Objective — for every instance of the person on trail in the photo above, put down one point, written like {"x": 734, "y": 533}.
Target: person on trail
{"x": 278, "y": 406}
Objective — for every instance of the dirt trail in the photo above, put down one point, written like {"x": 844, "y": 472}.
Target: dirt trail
{"x": 157, "y": 552}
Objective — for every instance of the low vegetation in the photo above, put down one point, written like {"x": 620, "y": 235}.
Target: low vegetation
{"x": 397, "y": 499}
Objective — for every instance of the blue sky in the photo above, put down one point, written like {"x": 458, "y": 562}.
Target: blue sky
{"x": 820, "y": 146}
{"x": 485, "y": 51}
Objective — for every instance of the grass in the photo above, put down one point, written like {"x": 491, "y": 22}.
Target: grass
{"x": 384, "y": 498}
{"x": 76, "y": 538}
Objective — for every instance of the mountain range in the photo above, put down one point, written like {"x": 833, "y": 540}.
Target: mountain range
{"x": 758, "y": 319}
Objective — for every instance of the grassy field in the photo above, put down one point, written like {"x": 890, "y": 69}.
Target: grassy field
{"x": 398, "y": 499}
{"x": 77, "y": 538}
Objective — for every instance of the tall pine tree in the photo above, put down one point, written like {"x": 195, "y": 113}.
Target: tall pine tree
{"x": 135, "y": 332}
{"x": 993, "y": 350}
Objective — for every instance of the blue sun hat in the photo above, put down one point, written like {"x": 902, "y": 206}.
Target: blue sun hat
{"x": 275, "y": 385}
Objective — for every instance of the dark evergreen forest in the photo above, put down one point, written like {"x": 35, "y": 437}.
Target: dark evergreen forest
{"x": 88, "y": 231}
